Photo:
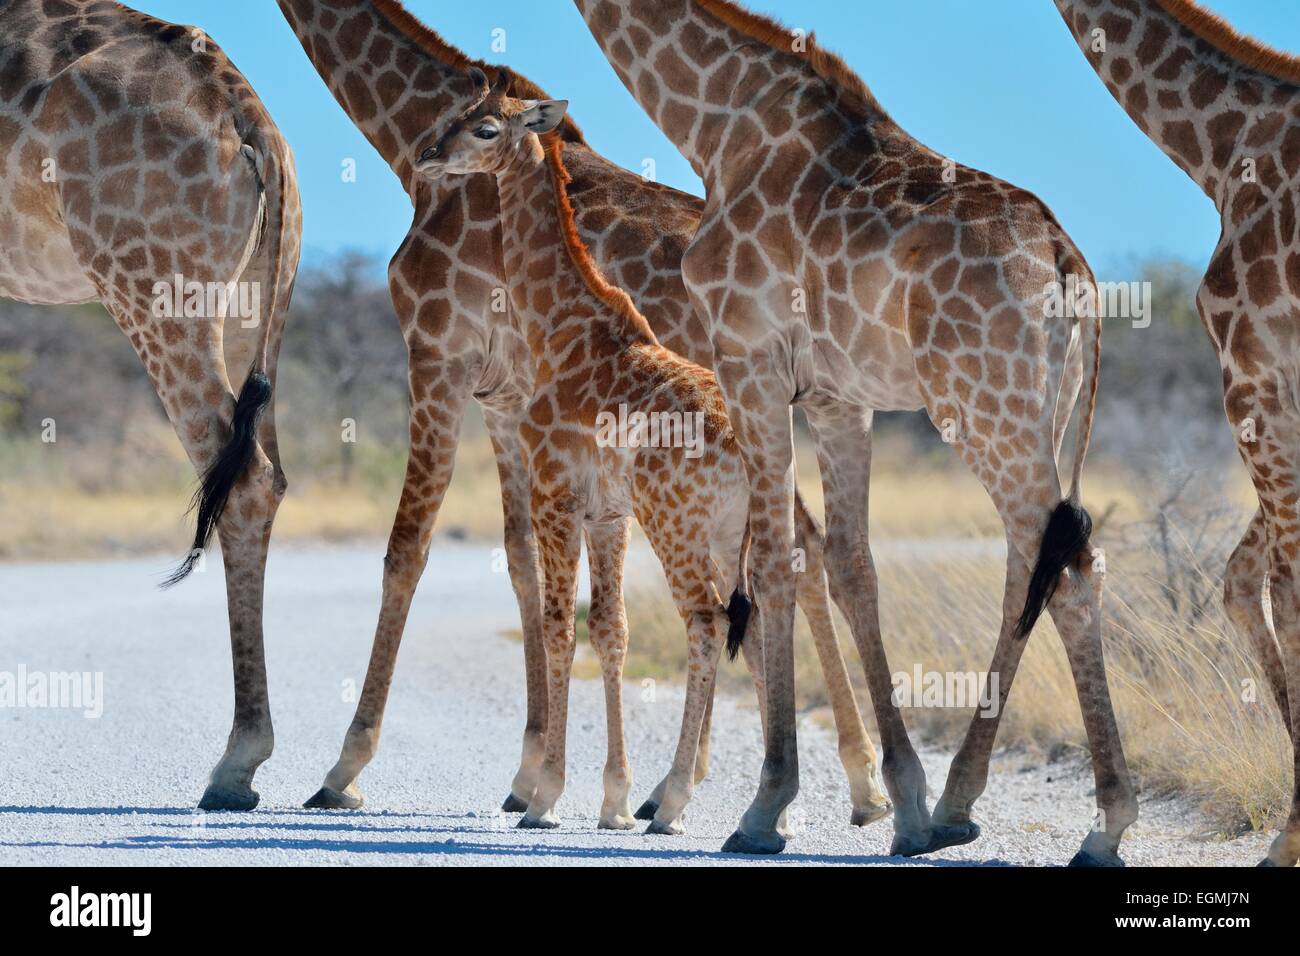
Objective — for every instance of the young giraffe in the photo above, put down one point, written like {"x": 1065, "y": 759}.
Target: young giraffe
{"x": 845, "y": 267}
{"x": 133, "y": 151}
{"x": 594, "y": 354}
{"x": 396, "y": 79}
{"x": 1227, "y": 110}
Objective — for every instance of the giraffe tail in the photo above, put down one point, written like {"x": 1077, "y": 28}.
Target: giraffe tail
{"x": 740, "y": 606}
{"x": 1070, "y": 525}
{"x": 232, "y": 461}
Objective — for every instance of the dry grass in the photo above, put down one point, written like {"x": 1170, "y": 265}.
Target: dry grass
{"x": 1194, "y": 710}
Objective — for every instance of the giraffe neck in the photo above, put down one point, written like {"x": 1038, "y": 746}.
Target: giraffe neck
{"x": 395, "y": 84}
{"x": 557, "y": 292}
{"x": 1189, "y": 90}
{"x": 711, "y": 75}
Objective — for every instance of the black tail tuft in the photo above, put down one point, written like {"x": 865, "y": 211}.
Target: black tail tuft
{"x": 738, "y": 614}
{"x": 1066, "y": 535}
{"x": 228, "y": 467}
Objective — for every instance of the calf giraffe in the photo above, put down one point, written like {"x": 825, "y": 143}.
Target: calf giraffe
{"x": 131, "y": 152}
{"x": 843, "y": 266}
{"x": 396, "y": 80}
{"x": 594, "y": 354}
{"x": 1227, "y": 110}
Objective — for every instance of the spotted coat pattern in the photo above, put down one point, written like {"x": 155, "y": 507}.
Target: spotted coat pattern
{"x": 402, "y": 86}
{"x": 1199, "y": 91}
{"x": 843, "y": 266}
{"x": 132, "y": 151}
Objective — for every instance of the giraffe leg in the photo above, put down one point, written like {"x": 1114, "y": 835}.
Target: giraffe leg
{"x": 968, "y": 773}
{"x": 244, "y": 531}
{"x": 758, "y": 405}
{"x": 843, "y": 437}
{"x": 525, "y": 577}
{"x": 702, "y": 755}
{"x": 855, "y": 749}
{"x": 1284, "y": 589}
{"x": 1076, "y": 611}
{"x": 1270, "y": 454}
{"x": 559, "y": 544}
{"x": 607, "y": 628}
{"x": 1243, "y": 596}
{"x": 702, "y": 611}
{"x": 434, "y": 432}
{"x": 650, "y": 807}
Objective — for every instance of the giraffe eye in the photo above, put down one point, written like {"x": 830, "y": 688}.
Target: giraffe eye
{"x": 486, "y": 132}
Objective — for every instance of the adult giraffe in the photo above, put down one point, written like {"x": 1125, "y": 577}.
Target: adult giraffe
{"x": 842, "y": 265}
{"x": 131, "y": 152}
{"x": 402, "y": 84}
{"x": 1226, "y": 109}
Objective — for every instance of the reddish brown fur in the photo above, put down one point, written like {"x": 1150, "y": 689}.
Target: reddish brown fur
{"x": 767, "y": 30}
{"x": 1221, "y": 35}
{"x": 612, "y": 296}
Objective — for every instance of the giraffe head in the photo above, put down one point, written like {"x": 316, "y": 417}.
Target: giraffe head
{"x": 486, "y": 137}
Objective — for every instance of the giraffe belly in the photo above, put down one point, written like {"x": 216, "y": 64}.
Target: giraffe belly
{"x": 38, "y": 265}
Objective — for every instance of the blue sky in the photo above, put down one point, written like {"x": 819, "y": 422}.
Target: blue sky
{"x": 996, "y": 84}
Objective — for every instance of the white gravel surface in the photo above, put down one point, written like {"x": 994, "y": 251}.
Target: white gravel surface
{"x": 120, "y": 789}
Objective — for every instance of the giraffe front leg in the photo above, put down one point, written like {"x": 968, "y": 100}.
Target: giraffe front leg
{"x": 525, "y": 577}
{"x": 607, "y": 628}
{"x": 434, "y": 437}
{"x": 558, "y": 528}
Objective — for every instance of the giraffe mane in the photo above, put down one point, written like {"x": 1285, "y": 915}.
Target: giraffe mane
{"x": 611, "y": 295}
{"x": 776, "y": 35}
{"x": 409, "y": 25}
{"x": 1220, "y": 34}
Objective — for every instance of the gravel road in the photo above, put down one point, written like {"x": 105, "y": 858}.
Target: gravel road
{"x": 119, "y": 789}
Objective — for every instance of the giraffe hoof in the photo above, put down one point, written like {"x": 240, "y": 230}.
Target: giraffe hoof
{"x": 1085, "y": 859}
{"x": 865, "y": 816}
{"x": 619, "y": 822}
{"x": 952, "y": 834}
{"x": 547, "y": 821}
{"x": 910, "y": 844}
{"x": 1267, "y": 862}
{"x": 514, "y": 804}
{"x": 327, "y": 798}
{"x": 673, "y": 828}
{"x": 742, "y": 842}
{"x": 647, "y": 810}
{"x": 224, "y": 798}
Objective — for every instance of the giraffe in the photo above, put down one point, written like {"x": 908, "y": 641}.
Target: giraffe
{"x": 595, "y": 355}
{"x": 1226, "y": 109}
{"x": 397, "y": 79}
{"x": 844, "y": 267}
{"x": 134, "y": 157}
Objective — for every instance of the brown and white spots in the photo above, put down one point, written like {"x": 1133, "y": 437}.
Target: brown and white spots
{"x": 1227, "y": 110}
{"x": 131, "y": 154}
{"x": 924, "y": 283}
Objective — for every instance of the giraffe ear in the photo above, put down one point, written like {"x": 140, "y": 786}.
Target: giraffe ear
{"x": 542, "y": 116}
{"x": 479, "y": 81}
{"x": 503, "y": 81}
